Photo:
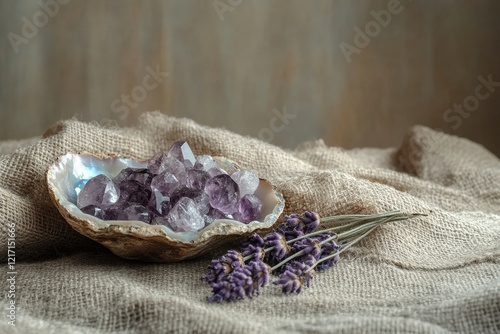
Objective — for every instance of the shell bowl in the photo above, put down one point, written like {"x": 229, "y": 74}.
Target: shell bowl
{"x": 137, "y": 240}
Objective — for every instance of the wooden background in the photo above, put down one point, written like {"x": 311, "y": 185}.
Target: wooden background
{"x": 238, "y": 68}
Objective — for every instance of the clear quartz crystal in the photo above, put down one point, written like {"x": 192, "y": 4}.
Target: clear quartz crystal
{"x": 207, "y": 164}
{"x": 202, "y": 203}
{"x": 247, "y": 181}
{"x": 184, "y": 217}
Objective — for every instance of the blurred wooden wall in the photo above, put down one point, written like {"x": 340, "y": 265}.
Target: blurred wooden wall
{"x": 239, "y": 65}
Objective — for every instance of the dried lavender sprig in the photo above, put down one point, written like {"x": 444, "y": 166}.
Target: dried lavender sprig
{"x": 230, "y": 277}
{"x": 338, "y": 237}
{"x": 394, "y": 215}
{"x": 295, "y": 276}
{"x": 382, "y": 218}
{"x": 344, "y": 248}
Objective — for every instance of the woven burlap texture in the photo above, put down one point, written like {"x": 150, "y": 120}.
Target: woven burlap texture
{"x": 434, "y": 274}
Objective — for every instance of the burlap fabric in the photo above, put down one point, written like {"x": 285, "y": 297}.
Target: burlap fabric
{"x": 436, "y": 274}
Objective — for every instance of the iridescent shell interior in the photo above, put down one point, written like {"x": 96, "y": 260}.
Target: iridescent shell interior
{"x": 138, "y": 240}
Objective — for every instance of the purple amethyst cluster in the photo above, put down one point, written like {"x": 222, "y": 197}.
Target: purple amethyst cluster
{"x": 178, "y": 189}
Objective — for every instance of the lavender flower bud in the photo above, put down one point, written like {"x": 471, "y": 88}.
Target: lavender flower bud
{"x": 290, "y": 235}
{"x": 289, "y": 282}
{"x": 309, "y": 246}
{"x": 277, "y": 241}
{"x": 309, "y": 260}
{"x": 261, "y": 273}
{"x": 221, "y": 291}
{"x": 312, "y": 247}
{"x": 255, "y": 240}
{"x": 292, "y": 221}
{"x": 223, "y": 266}
{"x": 329, "y": 249}
{"x": 242, "y": 282}
{"x": 254, "y": 252}
{"x": 295, "y": 276}
{"x": 310, "y": 220}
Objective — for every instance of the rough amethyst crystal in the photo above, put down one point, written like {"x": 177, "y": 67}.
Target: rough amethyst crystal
{"x": 182, "y": 152}
{"x": 134, "y": 192}
{"x": 158, "y": 204}
{"x": 179, "y": 190}
{"x": 141, "y": 176}
{"x": 197, "y": 179}
{"x": 99, "y": 191}
{"x": 250, "y": 208}
{"x": 137, "y": 212}
{"x": 93, "y": 211}
{"x": 115, "y": 212}
{"x": 223, "y": 193}
{"x": 155, "y": 163}
{"x": 165, "y": 183}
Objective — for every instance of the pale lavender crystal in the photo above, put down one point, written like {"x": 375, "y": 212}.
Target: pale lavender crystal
{"x": 207, "y": 164}
{"x": 228, "y": 166}
{"x": 250, "y": 208}
{"x": 247, "y": 181}
{"x": 196, "y": 179}
{"x": 174, "y": 167}
{"x": 137, "y": 212}
{"x": 165, "y": 183}
{"x": 199, "y": 197}
{"x": 184, "y": 217}
{"x": 99, "y": 191}
{"x": 223, "y": 193}
{"x": 181, "y": 151}
{"x": 162, "y": 163}
{"x": 155, "y": 163}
